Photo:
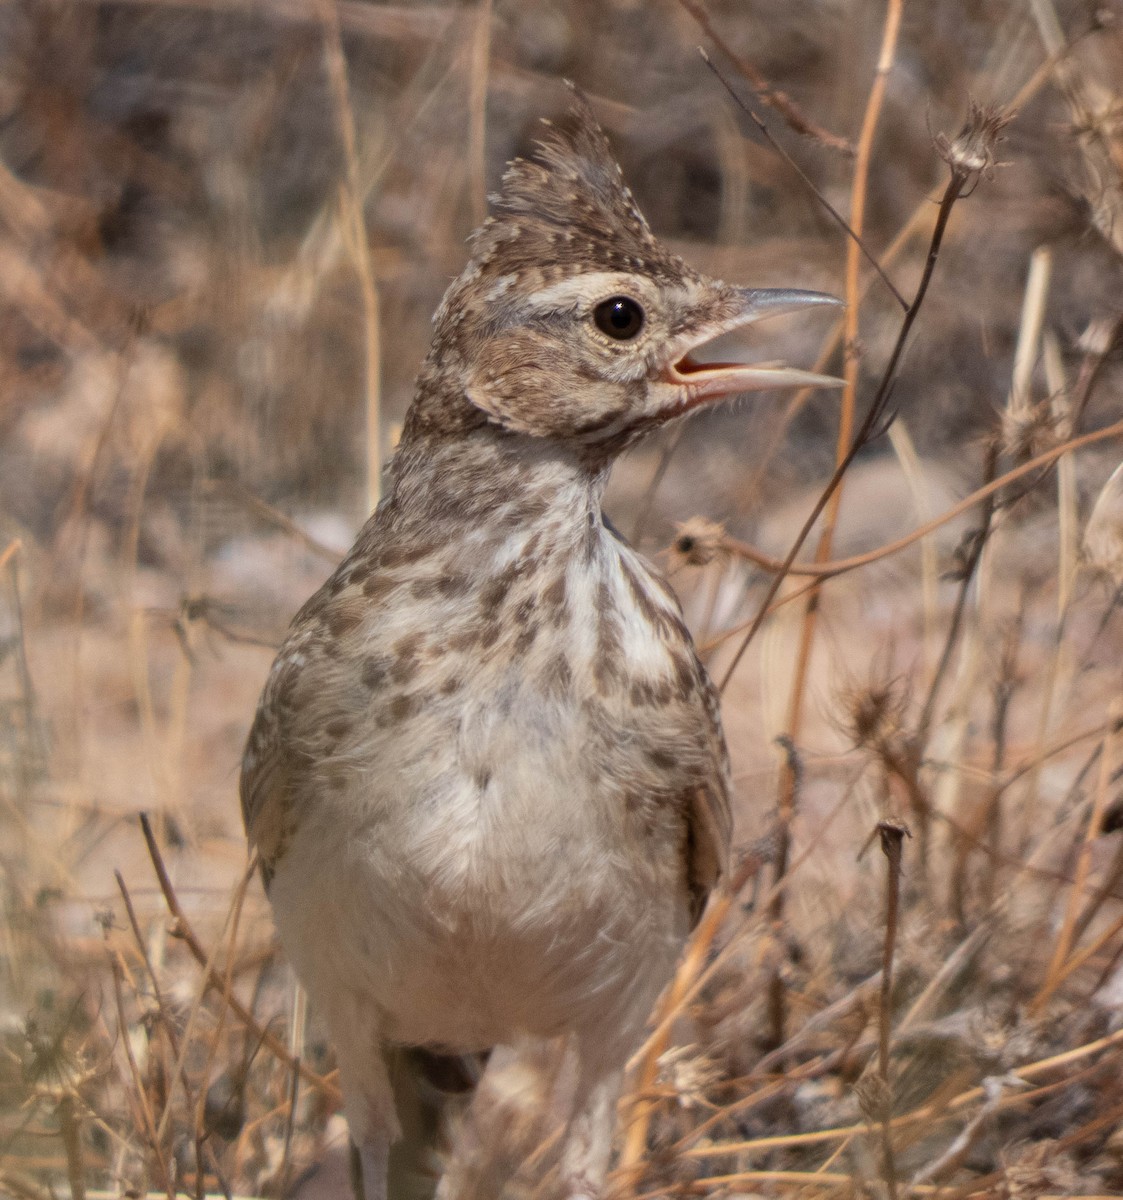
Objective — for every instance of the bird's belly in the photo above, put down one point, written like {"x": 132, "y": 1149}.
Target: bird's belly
{"x": 490, "y": 907}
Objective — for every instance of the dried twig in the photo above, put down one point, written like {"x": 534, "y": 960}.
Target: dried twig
{"x": 797, "y": 120}
{"x": 214, "y": 981}
{"x": 892, "y": 836}
{"x": 968, "y": 157}
{"x": 356, "y": 236}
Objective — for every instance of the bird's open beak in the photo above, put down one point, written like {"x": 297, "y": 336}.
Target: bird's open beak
{"x": 702, "y": 379}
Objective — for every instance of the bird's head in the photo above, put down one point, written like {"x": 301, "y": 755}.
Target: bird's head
{"x": 572, "y": 322}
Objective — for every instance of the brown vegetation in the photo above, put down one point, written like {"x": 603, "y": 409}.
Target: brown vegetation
{"x": 223, "y": 227}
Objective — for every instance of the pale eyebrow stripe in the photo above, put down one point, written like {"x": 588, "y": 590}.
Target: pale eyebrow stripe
{"x": 595, "y": 285}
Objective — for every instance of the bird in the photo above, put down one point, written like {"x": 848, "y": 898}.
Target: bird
{"x": 487, "y": 780}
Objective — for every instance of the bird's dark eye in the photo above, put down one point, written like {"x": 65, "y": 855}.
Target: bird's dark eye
{"x": 621, "y": 318}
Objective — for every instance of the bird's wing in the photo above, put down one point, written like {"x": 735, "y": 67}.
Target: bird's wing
{"x": 267, "y": 770}
{"x": 710, "y": 819}
{"x": 284, "y": 743}
{"x": 312, "y": 692}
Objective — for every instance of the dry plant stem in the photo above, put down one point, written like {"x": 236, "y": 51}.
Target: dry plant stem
{"x": 477, "y": 112}
{"x": 958, "y": 1151}
{"x": 227, "y": 991}
{"x": 974, "y": 556}
{"x": 275, "y": 517}
{"x": 705, "y": 1186}
{"x": 929, "y": 1112}
{"x": 1106, "y": 891}
{"x": 956, "y": 184}
{"x": 213, "y": 981}
{"x": 24, "y": 1189}
{"x": 1092, "y": 107}
{"x": 855, "y": 1003}
{"x": 635, "y": 1137}
{"x": 841, "y": 566}
{"x": 892, "y": 838}
{"x": 1056, "y": 972}
{"x": 986, "y": 1185}
{"x": 830, "y": 209}
{"x": 147, "y": 1120}
{"x": 843, "y": 454}
{"x": 773, "y": 97}
{"x": 918, "y": 222}
{"x": 1003, "y": 692}
{"x": 1091, "y": 950}
{"x": 1059, "y": 665}
{"x": 694, "y": 978}
{"x": 1107, "y": 971}
{"x": 355, "y": 224}
{"x": 290, "y": 1125}
{"x": 739, "y": 1107}
{"x": 717, "y": 571}
{"x": 912, "y": 469}
{"x": 165, "y": 1019}
{"x": 1043, "y": 756}
{"x": 1020, "y": 400}
{"x": 193, "y": 1015}
{"x": 1110, "y": 331}
{"x": 72, "y": 1143}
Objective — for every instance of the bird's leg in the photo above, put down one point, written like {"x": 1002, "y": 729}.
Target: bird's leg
{"x": 368, "y": 1098}
{"x": 369, "y": 1169}
{"x": 371, "y": 1140}
{"x": 588, "y": 1144}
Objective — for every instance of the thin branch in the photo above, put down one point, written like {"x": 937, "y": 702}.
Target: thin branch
{"x": 830, "y": 209}
{"x": 820, "y": 571}
{"x": 356, "y": 231}
{"x": 892, "y": 844}
{"x": 961, "y": 175}
{"x": 772, "y": 96}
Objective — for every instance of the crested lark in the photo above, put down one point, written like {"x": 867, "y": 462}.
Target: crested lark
{"x": 487, "y": 778}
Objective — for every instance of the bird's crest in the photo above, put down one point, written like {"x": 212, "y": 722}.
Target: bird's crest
{"x": 567, "y": 206}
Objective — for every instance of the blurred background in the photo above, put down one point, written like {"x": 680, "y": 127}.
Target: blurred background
{"x": 224, "y": 227}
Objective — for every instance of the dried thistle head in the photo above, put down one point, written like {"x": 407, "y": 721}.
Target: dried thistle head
{"x": 53, "y": 1062}
{"x": 697, "y": 542}
{"x": 874, "y": 712}
{"x": 690, "y": 1073}
{"x": 973, "y": 153}
{"x": 1029, "y": 430}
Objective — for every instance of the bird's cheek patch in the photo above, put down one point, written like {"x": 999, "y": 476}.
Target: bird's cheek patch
{"x": 526, "y": 384}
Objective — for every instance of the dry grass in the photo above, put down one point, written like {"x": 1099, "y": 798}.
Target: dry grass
{"x": 223, "y": 227}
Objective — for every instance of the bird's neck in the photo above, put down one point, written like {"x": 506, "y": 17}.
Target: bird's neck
{"x": 485, "y": 481}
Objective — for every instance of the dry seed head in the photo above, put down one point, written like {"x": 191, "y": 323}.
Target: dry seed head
{"x": 1029, "y": 431}
{"x": 698, "y": 542}
{"x": 690, "y": 1073}
{"x": 52, "y": 1066}
{"x": 973, "y": 153}
{"x": 1036, "y": 1169}
{"x": 875, "y": 712}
